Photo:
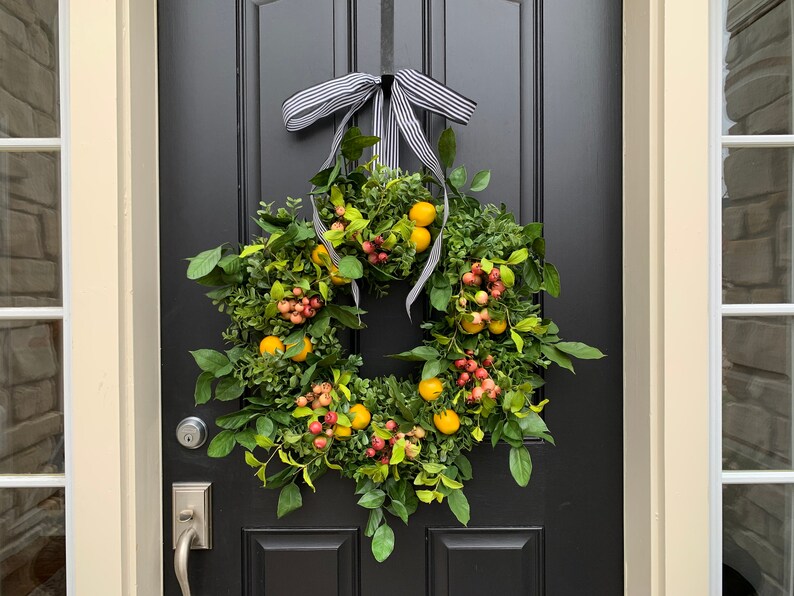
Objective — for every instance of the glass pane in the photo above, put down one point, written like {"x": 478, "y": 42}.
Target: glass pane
{"x": 31, "y": 402}
{"x": 757, "y": 393}
{"x": 30, "y": 229}
{"x": 756, "y": 539}
{"x": 757, "y": 69}
{"x": 756, "y": 226}
{"x": 29, "y": 68}
{"x": 32, "y": 541}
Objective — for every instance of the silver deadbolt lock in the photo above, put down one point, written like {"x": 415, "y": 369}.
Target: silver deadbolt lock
{"x": 191, "y": 432}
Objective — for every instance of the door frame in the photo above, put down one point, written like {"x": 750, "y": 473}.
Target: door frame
{"x": 115, "y": 290}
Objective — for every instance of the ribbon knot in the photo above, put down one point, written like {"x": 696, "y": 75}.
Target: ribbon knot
{"x": 408, "y": 88}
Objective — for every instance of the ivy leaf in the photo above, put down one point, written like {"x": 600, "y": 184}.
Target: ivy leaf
{"x": 579, "y": 350}
{"x": 203, "y": 390}
{"x": 375, "y": 517}
{"x": 459, "y": 505}
{"x": 204, "y": 262}
{"x": 221, "y": 444}
{"x": 382, "y": 543}
{"x": 212, "y": 361}
{"x": 551, "y": 279}
{"x": 520, "y": 465}
{"x": 480, "y": 181}
{"x": 557, "y": 357}
{"x": 228, "y": 388}
{"x": 372, "y": 499}
{"x": 458, "y": 176}
{"x": 289, "y": 499}
{"x": 447, "y": 148}
{"x": 351, "y": 267}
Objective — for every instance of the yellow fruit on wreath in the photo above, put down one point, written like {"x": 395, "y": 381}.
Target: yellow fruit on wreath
{"x": 317, "y": 253}
{"x": 471, "y": 327}
{"x": 342, "y": 432}
{"x": 447, "y": 422}
{"x": 497, "y": 327}
{"x": 422, "y": 213}
{"x": 362, "y": 417}
{"x": 307, "y": 349}
{"x": 270, "y": 344}
{"x": 430, "y": 389}
{"x": 421, "y": 238}
{"x": 337, "y": 280}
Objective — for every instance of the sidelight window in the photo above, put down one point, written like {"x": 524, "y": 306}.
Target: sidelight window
{"x": 34, "y": 299}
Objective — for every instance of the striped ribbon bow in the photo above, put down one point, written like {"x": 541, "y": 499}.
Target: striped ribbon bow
{"x": 354, "y": 90}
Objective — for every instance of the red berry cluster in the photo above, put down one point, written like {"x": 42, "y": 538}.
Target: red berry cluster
{"x": 493, "y": 282}
{"x": 300, "y": 308}
{"x": 475, "y": 375}
{"x": 318, "y": 397}
{"x": 382, "y": 448}
{"x": 326, "y": 427}
{"x": 374, "y": 250}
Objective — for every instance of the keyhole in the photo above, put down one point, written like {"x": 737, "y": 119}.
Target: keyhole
{"x": 188, "y": 438}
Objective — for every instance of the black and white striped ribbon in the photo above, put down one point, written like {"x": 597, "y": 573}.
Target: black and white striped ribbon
{"x": 352, "y": 91}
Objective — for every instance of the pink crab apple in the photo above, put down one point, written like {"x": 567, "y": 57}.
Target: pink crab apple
{"x": 471, "y": 366}
{"x": 460, "y": 363}
{"x": 488, "y": 385}
{"x": 340, "y": 211}
{"x": 481, "y": 374}
{"x": 476, "y": 269}
{"x": 488, "y": 361}
{"x": 494, "y": 275}
{"x": 316, "y": 303}
{"x": 331, "y": 418}
{"x": 377, "y": 443}
{"x": 385, "y": 460}
{"x": 284, "y": 306}
{"x": 476, "y": 393}
{"x": 296, "y": 318}
{"x": 373, "y": 258}
{"x": 383, "y": 257}
{"x": 378, "y": 240}
{"x": 329, "y": 432}
{"x": 468, "y": 279}
{"x": 371, "y": 452}
{"x": 315, "y": 427}
{"x": 320, "y": 442}
{"x": 301, "y": 401}
{"x": 297, "y": 291}
{"x": 391, "y": 425}
{"x": 464, "y": 377}
{"x": 368, "y": 247}
{"x": 481, "y": 297}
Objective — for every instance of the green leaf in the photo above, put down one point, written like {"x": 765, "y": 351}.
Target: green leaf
{"x": 234, "y": 420}
{"x": 464, "y": 465}
{"x": 212, "y": 362}
{"x": 277, "y": 291}
{"x": 251, "y": 460}
{"x": 551, "y": 279}
{"x": 433, "y": 468}
{"x": 579, "y": 350}
{"x": 532, "y": 425}
{"x": 397, "y": 453}
{"x": 323, "y": 290}
{"x": 458, "y": 176}
{"x": 203, "y": 390}
{"x": 351, "y": 267}
{"x": 518, "y": 340}
{"x": 308, "y": 479}
{"x": 345, "y": 315}
{"x": 375, "y": 517}
{"x": 528, "y": 324}
{"x": 418, "y": 354}
{"x": 204, "y": 262}
{"x": 446, "y": 148}
{"x": 459, "y": 505}
{"x": 440, "y": 296}
{"x": 264, "y": 441}
{"x": 399, "y": 509}
{"x": 354, "y": 143}
{"x": 557, "y": 357}
{"x": 251, "y": 249}
{"x": 294, "y": 348}
{"x": 486, "y": 265}
{"x": 480, "y": 181}
{"x": 520, "y": 465}
{"x": 221, "y": 444}
{"x": 508, "y": 277}
{"x": 382, "y": 543}
{"x": 372, "y": 499}
{"x": 477, "y": 434}
{"x": 289, "y": 499}
{"x": 433, "y": 368}
{"x": 450, "y": 483}
{"x": 228, "y": 388}
{"x": 426, "y": 496}
{"x": 246, "y": 438}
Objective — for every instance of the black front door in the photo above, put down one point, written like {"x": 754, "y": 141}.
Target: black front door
{"x": 546, "y": 76}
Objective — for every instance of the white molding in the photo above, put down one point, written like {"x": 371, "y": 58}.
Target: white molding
{"x": 32, "y": 144}
{"x": 758, "y": 477}
{"x": 32, "y": 480}
{"x": 43, "y": 313}
{"x": 754, "y": 140}
{"x": 754, "y": 310}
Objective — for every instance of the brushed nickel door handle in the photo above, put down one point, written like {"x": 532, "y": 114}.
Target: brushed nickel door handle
{"x": 191, "y": 519}
{"x": 181, "y": 554}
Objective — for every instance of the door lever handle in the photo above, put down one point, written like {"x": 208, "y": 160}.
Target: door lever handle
{"x": 181, "y": 554}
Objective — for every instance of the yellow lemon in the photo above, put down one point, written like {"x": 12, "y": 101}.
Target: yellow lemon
{"x": 430, "y": 389}
{"x": 447, "y": 422}
{"x": 342, "y": 432}
{"x": 307, "y": 349}
{"x": 421, "y": 237}
{"x": 362, "y": 416}
{"x": 470, "y": 327}
{"x": 422, "y": 213}
{"x": 497, "y": 327}
{"x": 270, "y": 344}
{"x": 336, "y": 280}
{"x": 317, "y": 253}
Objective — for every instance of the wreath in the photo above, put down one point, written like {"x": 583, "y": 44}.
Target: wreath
{"x": 402, "y": 440}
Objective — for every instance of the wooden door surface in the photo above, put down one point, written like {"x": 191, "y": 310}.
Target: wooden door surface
{"x": 547, "y": 79}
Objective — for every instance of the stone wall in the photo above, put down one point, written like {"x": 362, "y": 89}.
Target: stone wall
{"x": 31, "y": 404}
{"x": 757, "y": 352}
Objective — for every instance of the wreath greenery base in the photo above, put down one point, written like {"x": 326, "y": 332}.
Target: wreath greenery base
{"x": 305, "y": 408}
